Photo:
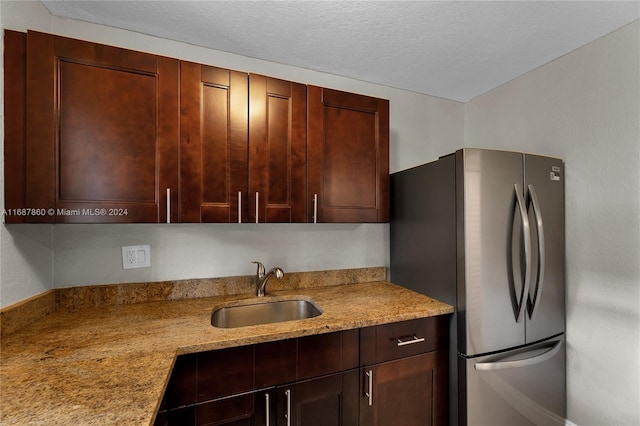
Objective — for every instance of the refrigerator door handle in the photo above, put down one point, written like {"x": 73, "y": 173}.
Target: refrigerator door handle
{"x": 532, "y": 304}
{"x": 501, "y": 365}
{"x": 526, "y": 233}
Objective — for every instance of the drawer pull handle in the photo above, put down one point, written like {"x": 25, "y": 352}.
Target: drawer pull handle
{"x": 168, "y": 205}
{"x": 369, "y": 393}
{"x": 287, "y": 414}
{"x": 257, "y": 206}
{"x": 315, "y": 208}
{"x": 414, "y": 339}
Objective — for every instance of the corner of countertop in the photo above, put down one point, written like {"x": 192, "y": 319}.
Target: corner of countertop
{"x": 22, "y": 313}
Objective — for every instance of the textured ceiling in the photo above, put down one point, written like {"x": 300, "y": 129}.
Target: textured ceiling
{"x": 452, "y": 49}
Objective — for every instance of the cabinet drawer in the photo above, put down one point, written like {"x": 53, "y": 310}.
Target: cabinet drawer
{"x": 402, "y": 339}
{"x": 327, "y": 353}
{"x": 275, "y": 363}
{"x": 224, "y": 372}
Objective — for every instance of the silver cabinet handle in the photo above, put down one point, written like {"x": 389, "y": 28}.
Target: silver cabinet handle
{"x": 168, "y": 205}
{"x": 532, "y": 305}
{"x": 527, "y": 252}
{"x": 315, "y": 208}
{"x": 287, "y": 414}
{"x": 266, "y": 408}
{"x": 257, "y": 205}
{"x": 369, "y": 393}
{"x": 538, "y": 358}
{"x": 414, "y": 339}
{"x": 239, "y": 206}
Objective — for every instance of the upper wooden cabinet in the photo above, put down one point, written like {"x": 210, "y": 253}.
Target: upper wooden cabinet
{"x": 213, "y": 144}
{"x": 348, "y": 157}
{"x": 277, "y": 150}
{"x": 15, "y": 65}
{"x": 242, "y": 147}
{"x": 99, "y": 134}
{"x": 102, "y": 131}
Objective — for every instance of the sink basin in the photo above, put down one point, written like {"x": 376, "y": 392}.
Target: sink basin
{"x": 264, "y": 312}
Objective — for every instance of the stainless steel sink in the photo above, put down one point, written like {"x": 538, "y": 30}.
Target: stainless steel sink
{"x": 256, "y": 312}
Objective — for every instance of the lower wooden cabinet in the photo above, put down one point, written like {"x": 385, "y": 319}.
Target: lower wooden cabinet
{"x": 329, "y": 400}
{"x": 393, "y": 374}
{"x": 243, "y": 410}
{"x": 251, "y": 409}
{"x": 405, "y": 373}
{"x": 409, "y": 391}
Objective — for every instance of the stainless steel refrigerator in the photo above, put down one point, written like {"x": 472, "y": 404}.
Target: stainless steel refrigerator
{"x": 483, "y": 230}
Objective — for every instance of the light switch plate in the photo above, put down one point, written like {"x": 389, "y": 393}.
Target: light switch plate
{"x": 136, "y": 257}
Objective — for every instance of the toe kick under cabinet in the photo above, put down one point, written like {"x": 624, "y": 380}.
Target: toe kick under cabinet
{"x": 382, "y": 375}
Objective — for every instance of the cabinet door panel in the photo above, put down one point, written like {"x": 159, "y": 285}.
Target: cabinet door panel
{"x": 213, "y": 144}
{"x": 99, "y": 123}
{"x": 102, "y": 130}
{"x": 15, "y": 64}
{"x": 329, "y": 400}
{"x": 277, "y": 150}
{"x": 348, "y": 156}
{"x": 242, "y": 410}
{"x": 409, "y": 391}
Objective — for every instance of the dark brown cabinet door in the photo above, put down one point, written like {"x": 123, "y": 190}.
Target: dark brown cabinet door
{"x": 277, "y": 150}
{"x": 348, "y": 157}
{"x": 330, "y": 400}
{"x": 213, "y": 144}
{"x": 15, "y": 63}
{"x": 250, "y": 409}
{"x": 243, "y": 410}
{"x": 102, "y": 131}
{"x": 409, "y": 391}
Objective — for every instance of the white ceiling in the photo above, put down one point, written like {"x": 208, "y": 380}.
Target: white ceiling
{"x": 452, "y": 49}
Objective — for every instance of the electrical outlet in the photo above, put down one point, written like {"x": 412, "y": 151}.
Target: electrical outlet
{"x": 136, "y": 257}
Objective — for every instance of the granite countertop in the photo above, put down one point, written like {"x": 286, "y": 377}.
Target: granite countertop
{"x": 110, "y": 364}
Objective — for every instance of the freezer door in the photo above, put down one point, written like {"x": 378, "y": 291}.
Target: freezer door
{"x": 491, "y": 273}
{"x": 544, "y": 185}
{"x": 519, "y": 387}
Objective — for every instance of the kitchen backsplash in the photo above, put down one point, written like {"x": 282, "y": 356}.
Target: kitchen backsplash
{"x": 22, "y": 313}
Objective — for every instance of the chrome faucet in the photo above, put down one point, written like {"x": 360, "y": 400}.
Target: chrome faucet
{"x": 262, "y": 278}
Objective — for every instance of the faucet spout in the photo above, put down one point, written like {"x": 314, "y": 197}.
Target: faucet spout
{"x": 262, "y": 278}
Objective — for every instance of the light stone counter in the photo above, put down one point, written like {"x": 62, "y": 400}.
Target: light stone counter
{"x": 110, "y": 364}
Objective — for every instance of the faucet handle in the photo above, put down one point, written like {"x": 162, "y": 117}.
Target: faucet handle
{"x": 260, "y": 270}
